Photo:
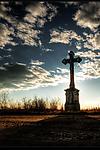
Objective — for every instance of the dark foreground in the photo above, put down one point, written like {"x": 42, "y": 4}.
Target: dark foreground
{"x": 60, "y": 130}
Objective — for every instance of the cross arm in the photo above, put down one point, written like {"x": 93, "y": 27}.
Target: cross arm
{"x": 77, "y": 59}
{"x": 65, "y": 61}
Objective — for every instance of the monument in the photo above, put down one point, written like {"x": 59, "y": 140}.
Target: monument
{"x": 72, "y": 94}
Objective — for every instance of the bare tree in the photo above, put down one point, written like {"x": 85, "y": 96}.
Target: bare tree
{"x": 55, "y": 104}
{"x": 4, "y": 99}
{"x": 41, "y": 105}
{"x": 26, "y": 103}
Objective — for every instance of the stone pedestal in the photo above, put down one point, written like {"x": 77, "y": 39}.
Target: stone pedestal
{"x": 72, "y": 100}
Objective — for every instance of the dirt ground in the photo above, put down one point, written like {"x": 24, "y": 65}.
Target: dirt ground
{"x": 50, "y": 130}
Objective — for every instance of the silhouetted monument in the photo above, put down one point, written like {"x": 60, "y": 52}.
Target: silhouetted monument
{"x": 72, "y": 94}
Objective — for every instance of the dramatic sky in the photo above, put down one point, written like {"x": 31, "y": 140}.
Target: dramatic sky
{"x": 36, "y": 36}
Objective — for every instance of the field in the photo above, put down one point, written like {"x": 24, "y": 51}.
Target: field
{"x": 50, "y": 130}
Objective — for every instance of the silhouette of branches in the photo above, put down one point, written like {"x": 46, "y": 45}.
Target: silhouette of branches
{"x": 31, "y": 105}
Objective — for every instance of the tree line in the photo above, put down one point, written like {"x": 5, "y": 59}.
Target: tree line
{"x": 29, "y": 105}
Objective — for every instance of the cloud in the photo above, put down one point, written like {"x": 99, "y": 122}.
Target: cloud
{"x": 9, "y": 49}
{"x": 78, "y": 45}
{"x": 38, "y": 12}
{"x": 62, "y": 71}
{"x": 88, "y": 15}
{"x": 47, "y": 50}
{"x": 27, "y": 34}
{"x": 63, "y": 36}
{"x": 92, "y": 41}
{"x": 24, "y": 31}
{"x": 5, "y": 35}
{"x": 87, "y": 40}
{"x": 91, "y": 69}
{"x": 88, "y": 54}
{"x": 5, "y": 10}
{"x": 52, "y": 11}
{"x": 37, "y": 62}
{"x": 18, "y": 3}
{"x": 71, "y": 3}
{"x": 36, "y": 15}
{"x": 19, "y": 76}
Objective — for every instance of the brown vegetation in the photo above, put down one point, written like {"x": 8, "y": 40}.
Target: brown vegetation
{"x": 25, "y": 105}
{"x": 35, "y": 105}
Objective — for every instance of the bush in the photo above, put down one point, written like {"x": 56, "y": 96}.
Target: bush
{"x": 36, "y": 104}
{"x": 4, "y": 99}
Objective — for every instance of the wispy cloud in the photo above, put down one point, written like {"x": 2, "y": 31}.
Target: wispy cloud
{"x": 37, "y": 14}
{"x": 27, "y": 34}
{"x": 21, "y": 77}
{"x": 88, "y": 15}
{"x": 71, "y": 3}
{"x": 5, "y": 10}
{"x": 90, "y": 68}
{"x": 88, "y": 54}
{"x": 47, "y": 50}
{"x": 92, "y": 41}
{"x": 87, "y": 40}
{"x": 37, "y": 62}
{"x": 62, "y": 71}
{"x": 5, "y": 35}
{"x": 63, "y": 36}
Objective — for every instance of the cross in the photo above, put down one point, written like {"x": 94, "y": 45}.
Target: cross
{"x": 71, "y": 61}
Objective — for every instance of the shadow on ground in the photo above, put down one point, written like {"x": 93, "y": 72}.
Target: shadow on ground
{"x": 62, "y": 130}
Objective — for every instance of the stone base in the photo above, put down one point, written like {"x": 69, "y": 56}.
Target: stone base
{"x": 72, "y": 100}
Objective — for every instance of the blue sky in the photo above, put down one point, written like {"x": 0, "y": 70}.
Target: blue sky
{"x": 36, "y": 36}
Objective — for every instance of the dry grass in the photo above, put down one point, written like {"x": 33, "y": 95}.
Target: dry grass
{"x": 61, "y": 130}
{"x": 10, "y": 121}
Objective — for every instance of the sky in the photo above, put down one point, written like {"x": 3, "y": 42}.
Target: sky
{"x": 35, "y": 36}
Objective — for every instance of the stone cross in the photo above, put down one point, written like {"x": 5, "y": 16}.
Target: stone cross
{"x": 71, "y": 61}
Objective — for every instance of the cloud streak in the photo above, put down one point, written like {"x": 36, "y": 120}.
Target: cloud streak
{"x": 63, "y": 36}
{"x": 37, "y": 14}
{"x": 21, "y": 77}
{"x": 92, "y": 41}
{"x": 88, "y": 54}
{"x": 90, "y": 68}
{"x": 5, "y": 35}
{"x": 88, "y": 16}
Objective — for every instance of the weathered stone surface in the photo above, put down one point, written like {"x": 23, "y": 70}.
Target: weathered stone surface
{"x": 72, "y": 100}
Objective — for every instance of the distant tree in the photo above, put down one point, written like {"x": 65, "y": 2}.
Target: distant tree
{"x": 55, "y": 104}
{"x": 41, "y": 105}
{"x": 12, "y": 105}
{"x": 19, "y": 105}
{"x": 38, "y": 104}
{"x": 35, "y": 103}
{"x": 4, "y": 99}
{"x": 26, "y": 103}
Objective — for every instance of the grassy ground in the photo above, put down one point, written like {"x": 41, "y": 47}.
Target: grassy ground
{"x": 55, "y": 130}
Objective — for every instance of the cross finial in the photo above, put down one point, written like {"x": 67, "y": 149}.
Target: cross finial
{"x": 71, "y": 61}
